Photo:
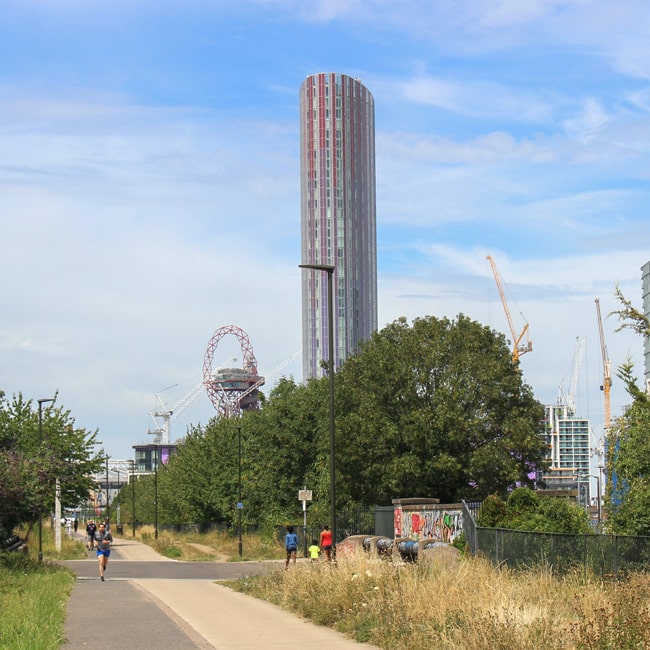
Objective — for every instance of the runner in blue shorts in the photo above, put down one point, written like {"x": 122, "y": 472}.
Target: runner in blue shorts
{"x": 104, "y": 540}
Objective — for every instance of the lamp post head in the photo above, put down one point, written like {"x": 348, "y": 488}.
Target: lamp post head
{"x": 330, "y": 268}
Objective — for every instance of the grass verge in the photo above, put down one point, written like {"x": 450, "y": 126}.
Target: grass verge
{"x": 33, "y": 601}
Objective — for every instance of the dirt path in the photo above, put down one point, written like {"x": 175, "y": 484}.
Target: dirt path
{"x": 208, "y": 550}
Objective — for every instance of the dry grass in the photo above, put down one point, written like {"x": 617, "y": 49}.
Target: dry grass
{"x": 468, "y": 605}
{"x": 213, "y": 546}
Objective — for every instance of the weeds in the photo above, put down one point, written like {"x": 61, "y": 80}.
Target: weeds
{"x": 468, "y": 605}
{"x": 33, "y": 599}
{"x": 215, "y": 545}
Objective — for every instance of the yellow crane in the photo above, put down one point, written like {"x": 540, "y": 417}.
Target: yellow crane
{"x": 518, "y": 348}
{"x": 607, "y": 370}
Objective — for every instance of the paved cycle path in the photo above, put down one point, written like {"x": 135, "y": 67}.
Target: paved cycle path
{"x": 151, "y": 601}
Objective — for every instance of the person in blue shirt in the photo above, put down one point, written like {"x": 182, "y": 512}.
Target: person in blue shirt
{"x": 291, "y": 545}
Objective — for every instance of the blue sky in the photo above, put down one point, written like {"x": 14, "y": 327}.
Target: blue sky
{"x": 149, "y": 184}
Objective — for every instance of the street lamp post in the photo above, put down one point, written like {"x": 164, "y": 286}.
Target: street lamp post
{"x": 155, "y": 498}
{"x": 598, "y": 495}
{"x": 133, "y": 495}
{"x": 40, "y": 507}
{"x": 108, "y": 497}
{"x": 329, "y": 269}
{"x": 240, "y": 505}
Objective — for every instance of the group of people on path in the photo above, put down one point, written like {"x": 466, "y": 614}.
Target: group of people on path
{"x": 101, "y": 539}
{"x": 323, "y": 546}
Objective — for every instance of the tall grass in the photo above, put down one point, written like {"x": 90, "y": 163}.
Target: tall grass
{"x": 33, "y": 601}
{"x": 467, "y": 604}
{"x": 71, "y": 547}
{"x": 214, "y": 545}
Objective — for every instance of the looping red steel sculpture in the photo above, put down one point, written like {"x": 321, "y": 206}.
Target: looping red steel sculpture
{"x": 232, "y": 390}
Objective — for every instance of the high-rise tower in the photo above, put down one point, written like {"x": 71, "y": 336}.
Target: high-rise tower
{"x": 338, "y": 215}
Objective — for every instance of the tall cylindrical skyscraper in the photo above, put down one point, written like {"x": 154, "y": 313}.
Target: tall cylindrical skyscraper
{"x": 338, "y": 215}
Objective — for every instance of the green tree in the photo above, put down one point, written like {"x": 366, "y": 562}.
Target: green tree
{"x": 282, "y": 449}
{"x": 627, "y": 493}
{"x": 31, "y": 460}
{"x": 524, "y": 509}
{"x": 437, "y": 408}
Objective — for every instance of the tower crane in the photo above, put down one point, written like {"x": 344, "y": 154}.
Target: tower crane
{"x": 569, "y": 399}
{"x": 518, "y": 348}
{"x": 607, "y": 371}
{"x": 161, "y": 411}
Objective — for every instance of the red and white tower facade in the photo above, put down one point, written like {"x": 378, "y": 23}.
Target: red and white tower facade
{"x": 338, "y": 215}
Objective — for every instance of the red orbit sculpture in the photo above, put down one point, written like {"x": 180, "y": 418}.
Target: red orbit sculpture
{"x": 232, "y": 390}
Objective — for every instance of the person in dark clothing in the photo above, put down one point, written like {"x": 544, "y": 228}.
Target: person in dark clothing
{"x": 291, "y": 546}
{"x": 91, "y": 529}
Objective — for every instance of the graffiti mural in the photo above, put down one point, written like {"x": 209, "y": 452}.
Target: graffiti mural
{"x": 438, "y": 523}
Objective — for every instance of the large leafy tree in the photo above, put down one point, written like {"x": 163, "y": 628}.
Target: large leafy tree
{"x": 436, "y": 408}
{"x": 33, "y": 458}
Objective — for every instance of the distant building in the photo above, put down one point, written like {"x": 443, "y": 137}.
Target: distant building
{"x": 338, "y": 216}
{"x": 645, "y": 288}
{"x": 567, "y": 439}
{"x": 148, "y": 457}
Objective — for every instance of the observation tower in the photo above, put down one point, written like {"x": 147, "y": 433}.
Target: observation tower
{"x": 232, "y": 390}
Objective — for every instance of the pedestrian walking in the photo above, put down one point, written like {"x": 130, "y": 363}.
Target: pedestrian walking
{"x": 104, "y": 540}
{"x": 75, "y": 525}
{"x": 313, "y": 550}
{"x": 291, "y": 546}
{"x": 326, "y": 542}
{"x": 91, "y": 529}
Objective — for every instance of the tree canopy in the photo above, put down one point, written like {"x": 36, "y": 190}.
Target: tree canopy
{"x": 627, "y": 496}
{"x": 432, "y": 409}
{"x": 526, "y": 510}
{"x": 435, "y": 409}
{"x": 32, "y": 458}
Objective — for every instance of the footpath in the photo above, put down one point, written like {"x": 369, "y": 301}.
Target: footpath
{"x": 182, "y": 614}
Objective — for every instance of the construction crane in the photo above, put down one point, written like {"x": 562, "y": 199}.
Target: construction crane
{"x": 518, "y": 348}
{"x": 607, "y": 371}
{"x": 167, "y": 415}
{"x": 569, "y": 399}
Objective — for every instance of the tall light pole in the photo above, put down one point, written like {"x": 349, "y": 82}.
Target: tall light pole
{"x": 240, "y": 505}
{"x": 599, "y": 511}
{"x": 133, "y": 495}
{"x": 329, "y": 269}
{"x": 40, "y": 440}
{"x": 155, "y": 498}
{"x": 108, "y": 495}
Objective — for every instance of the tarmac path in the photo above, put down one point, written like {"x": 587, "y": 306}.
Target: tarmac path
{"x": 148, "y": 601}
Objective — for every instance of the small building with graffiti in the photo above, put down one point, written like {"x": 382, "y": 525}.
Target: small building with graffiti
{"x": 426, "y": 519}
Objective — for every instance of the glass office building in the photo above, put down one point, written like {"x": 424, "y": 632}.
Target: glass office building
{"x": 567, "y": 440}
{"x": 338, "y": 216}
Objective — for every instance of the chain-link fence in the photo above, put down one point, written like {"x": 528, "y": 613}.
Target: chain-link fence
{"x": 604, "y": 555}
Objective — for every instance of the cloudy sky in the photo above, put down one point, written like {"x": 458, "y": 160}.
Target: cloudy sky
{"x": 149, "y": 185}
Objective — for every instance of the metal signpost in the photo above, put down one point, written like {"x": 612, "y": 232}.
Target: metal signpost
{"x": 304, "y": 495}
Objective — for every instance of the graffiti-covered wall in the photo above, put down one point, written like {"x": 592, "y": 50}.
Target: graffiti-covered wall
{"x": 422, "y": 519}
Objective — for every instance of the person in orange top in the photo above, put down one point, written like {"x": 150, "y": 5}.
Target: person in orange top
{"x": 326, "y": 542}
